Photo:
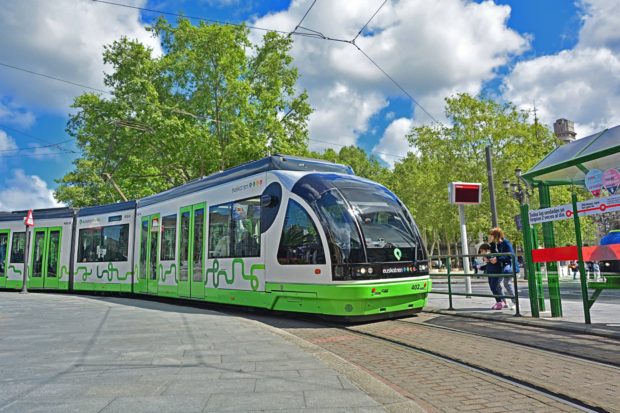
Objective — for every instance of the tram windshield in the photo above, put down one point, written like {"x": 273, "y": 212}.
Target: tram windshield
{"x": 364, "y": 222}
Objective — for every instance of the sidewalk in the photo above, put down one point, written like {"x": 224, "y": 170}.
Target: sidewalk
{"x": 63, "y": 353}
{"x": 605, "y": 314}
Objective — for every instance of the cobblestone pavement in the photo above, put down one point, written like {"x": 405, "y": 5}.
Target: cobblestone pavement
{"x": 434, "y": 384}
{"x": 592, "y": 383}
{"x": 603, "y": 349}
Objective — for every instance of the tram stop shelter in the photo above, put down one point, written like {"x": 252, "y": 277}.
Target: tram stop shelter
{"x": 592, "y": 162}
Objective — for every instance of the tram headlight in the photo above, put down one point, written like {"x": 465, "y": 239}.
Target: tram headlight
{"x": 370, "y": 270}
{"x": 362, "y": 270}
{"x": 422, "y": 267}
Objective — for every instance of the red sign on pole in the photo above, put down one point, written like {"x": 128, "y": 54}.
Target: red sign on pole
{"x": 29, "y": 220}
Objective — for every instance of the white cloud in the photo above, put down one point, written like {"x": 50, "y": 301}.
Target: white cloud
{"x": 23, "y": 191}
{"x": 13, "y": 115}
{"x": 64, "y": 39}
{"x": 394, "y": 141}
{"x": 580, "y": 84}
{"x": 346, "y": 116}
{"x": 428, "y": 47}
{"x": 7, "y": 144}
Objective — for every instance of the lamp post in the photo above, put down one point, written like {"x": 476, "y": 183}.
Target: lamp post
{"x": 516, "y": 189}
{"x": 521, "y": 192}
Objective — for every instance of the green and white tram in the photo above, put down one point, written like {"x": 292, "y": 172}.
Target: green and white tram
{"x": 281, "y": 233}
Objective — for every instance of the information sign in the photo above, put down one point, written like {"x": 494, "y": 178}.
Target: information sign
{"x": 589, "y": 207}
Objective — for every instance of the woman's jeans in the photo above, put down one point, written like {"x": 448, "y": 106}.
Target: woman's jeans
{"x": 507, "y": 282}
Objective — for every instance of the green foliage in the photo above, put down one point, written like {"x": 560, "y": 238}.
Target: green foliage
{"x": 211, "y": 101}
{"x": 363, "y": 165}
{"x": 456, "y": 152}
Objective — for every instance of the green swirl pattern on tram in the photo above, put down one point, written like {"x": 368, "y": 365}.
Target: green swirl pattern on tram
{"x": 251, "y": 277}
{"x": 110, "y": 272}
{"x": 64, "y": 270}
{"x": 19, "y": 272}
{"x": 165, "y": 274}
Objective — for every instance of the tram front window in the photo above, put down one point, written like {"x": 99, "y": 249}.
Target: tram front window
{"x": 364, "y": 222}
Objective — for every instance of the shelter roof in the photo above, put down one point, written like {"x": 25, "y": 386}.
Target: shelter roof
{"x": 568, "y": 164}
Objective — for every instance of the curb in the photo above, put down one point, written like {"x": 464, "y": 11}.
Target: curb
{"x": 565, "y": 326}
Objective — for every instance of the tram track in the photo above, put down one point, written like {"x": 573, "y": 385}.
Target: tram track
{"x": 332, "y": 333}
{"x": 562, "y": 398}
{"x": 574, "y": 354}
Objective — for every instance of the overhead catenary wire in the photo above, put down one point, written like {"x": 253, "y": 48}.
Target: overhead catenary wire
{"x": 369, "y": 20}
{"x": 32, "y": 72}
{"x": 36, "y": 155}
{"x": 30, "y": 148}
{"x": 310, "y": 33}
{"x": 303, "y": 18}
{"x": 54, "y": 144}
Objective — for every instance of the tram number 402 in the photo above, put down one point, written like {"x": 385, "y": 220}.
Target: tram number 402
{"x": 418, "y": 286}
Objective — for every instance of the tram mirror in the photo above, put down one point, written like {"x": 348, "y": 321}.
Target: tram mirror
{"x": 268, "y": 201}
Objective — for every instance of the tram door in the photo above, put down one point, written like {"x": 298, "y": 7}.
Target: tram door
{"x": 148, "y": 277}
{"x": 191, "y": 251}
{"x": 4, "y": 258}
{"x": 45, "y": 264}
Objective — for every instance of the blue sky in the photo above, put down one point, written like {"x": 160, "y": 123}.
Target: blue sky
{"x": 564, "y": 56}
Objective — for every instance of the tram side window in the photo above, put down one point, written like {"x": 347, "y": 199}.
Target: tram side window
{"x": 246, "y": 228}
{"x": 4, "y": 246}
{"x": 18, "y": 247}
{"x": 169, "y": 237}
{"x": 300, "y": 242}
{"x": 104, "y": 244}
{"x": 219, "y": 231}
{"x": 234, "y": 229}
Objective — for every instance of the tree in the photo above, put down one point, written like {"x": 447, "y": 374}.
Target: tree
{"x": 455, "y": 152}
{"x": 363, "y": 165}
{"x": 211, "y": 101}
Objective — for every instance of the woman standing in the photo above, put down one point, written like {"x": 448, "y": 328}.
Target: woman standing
{"x": 499, "y": 244}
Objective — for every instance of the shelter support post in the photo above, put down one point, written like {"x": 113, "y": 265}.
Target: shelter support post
{"x": 553, "y": 274}
{"x": 582, "y": 267}
{"x": 528, "y": 261}
{"x": 538, "y": 275}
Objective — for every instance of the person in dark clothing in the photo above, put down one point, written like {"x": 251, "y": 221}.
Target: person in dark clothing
{"x": 492, "y": 268}
{"x": 499, "y": 244}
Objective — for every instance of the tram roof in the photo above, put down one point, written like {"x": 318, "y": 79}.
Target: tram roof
{"x": 270, "y": 163}
{"x": 568, "y": 164}
{"x": 105, "y": 209}
{"x": 47, "y": 213}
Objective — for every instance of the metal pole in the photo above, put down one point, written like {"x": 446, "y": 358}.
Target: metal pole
{"x": 25, "y": 276}
{"x": 527, "y": 260}
{"x": 465, "y": 248}
{"x": 487, "y": 151}
{"x": 448, "y": 267}
{"x": 514, "y": 278}
{"x": 582, "y": 267}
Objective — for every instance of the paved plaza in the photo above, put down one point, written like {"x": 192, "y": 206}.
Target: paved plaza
{"x": 61, "y": 353}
